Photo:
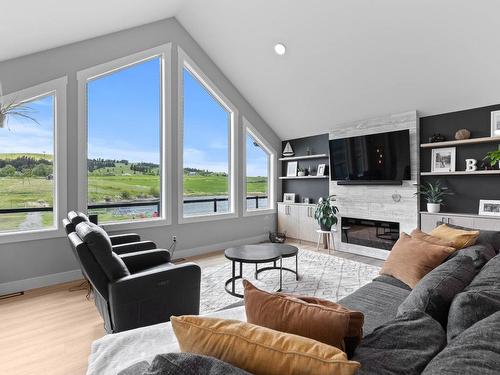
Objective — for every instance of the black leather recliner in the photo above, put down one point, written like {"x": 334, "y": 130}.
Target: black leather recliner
{"x": 122, "y": 243}
{"x": 137, "y": 288}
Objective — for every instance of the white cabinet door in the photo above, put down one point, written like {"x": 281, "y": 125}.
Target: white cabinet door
{"x": 288, "y": 220}
{"x": 292, "y": 221}
{"x": 486, "y": 224}
{"x": 307, "y": 224}
{"x": 428, "y": 222}
{"x": 282, "y": 220}
{"x": 460, "y": 221}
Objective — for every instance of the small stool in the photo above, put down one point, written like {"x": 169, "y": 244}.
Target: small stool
{"x": 328, "y": 240}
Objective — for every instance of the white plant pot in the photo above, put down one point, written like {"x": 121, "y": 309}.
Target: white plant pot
{"x": 433, "y": 208}
{"x": 301, "y": 174}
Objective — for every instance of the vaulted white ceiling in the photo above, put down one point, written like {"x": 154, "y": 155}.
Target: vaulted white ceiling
{"x": 346, "y": 59}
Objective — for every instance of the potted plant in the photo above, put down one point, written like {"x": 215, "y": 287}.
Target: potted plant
{"x": 434, "y": 195}
{"x": 493, "y": 157}
{"x": 326, "y": 213}
{"x": 301, "y": 172}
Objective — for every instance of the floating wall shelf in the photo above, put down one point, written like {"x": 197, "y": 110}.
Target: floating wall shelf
{"x": 461, "y": 173}
{"x": 301, "y": 177}
{"x": 317, "y": 156}
{"x": 461, "y": 142}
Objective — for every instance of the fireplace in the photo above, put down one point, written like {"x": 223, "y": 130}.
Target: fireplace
{"x": 370, "y": 233}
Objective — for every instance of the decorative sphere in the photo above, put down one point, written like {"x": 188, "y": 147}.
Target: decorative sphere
{"x": 462, "y": 134}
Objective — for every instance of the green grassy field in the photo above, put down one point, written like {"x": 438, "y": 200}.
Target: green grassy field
{"x": 114, "y": 184}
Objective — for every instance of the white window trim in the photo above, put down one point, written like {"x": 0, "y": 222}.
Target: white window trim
{"x": 56, "y": 87}
{"x": 271, "y": 170}
{"x": 184, "y": 60}
{"x": 83, "y": 76}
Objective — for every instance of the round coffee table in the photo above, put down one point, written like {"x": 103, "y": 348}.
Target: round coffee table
{"x": 258, "y": 254}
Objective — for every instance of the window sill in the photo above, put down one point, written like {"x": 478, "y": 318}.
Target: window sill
{"x": 202, "y": 218}
{"x": 264, "y": 211}
{"x": 131, "y": 225}
{"x": 32, "y": 235}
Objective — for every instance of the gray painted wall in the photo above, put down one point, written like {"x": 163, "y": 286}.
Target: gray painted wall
{"x": 49, "y": 261}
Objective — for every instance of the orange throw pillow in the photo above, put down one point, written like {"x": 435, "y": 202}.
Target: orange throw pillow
{"x": 459, "y": 237}
{"x": 259, "y": 350}
{"x": 317, "y": 319}
{"x": 411, "y": 259}
{"x": 417, "y": 233}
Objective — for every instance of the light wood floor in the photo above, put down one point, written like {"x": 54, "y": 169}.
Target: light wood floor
{"x": 49, "y": 330}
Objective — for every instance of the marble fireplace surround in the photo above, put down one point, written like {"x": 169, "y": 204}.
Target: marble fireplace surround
{"x": 396, "y": 203}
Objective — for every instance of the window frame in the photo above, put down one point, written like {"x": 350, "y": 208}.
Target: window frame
{"x": 56, "y": 87}
{"x": 184, "y": 61}
{"x": 272, "y": 166}
{"x": 86, "y": 75}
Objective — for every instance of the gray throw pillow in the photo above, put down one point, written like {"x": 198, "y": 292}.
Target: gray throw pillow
{"x": 479, "y": 253}
{"x": 99, "y": 244}
{"x": 435, "y": 292}
{"x": 475, "y": 351}
{"x": 489, "y": 276}
{"x": 404, "y": 345}
{"x": 470, "y": 307}
{"x": 184, "y": 364}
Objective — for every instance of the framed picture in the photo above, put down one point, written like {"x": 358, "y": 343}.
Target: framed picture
{"x": 306, "y": 200}
{"x": 289, "y": 197}
{"x": 291, "y": 168}
{"x": 495, "y": 124}
{"x": 321, "y": 170}
{"x": 489, "y": 207}
{"x": 443, "y": 159}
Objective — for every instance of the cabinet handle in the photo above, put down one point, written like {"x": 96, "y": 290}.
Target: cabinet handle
{"x": 449, "y": 220}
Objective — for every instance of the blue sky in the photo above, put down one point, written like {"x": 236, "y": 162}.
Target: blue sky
{"x": 124, "y": 122}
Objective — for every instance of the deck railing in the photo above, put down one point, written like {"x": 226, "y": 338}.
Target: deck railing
{"x": 152, "y": 202}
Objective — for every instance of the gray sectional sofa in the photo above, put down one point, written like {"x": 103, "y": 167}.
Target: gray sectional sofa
{"x": 448, "y": 324}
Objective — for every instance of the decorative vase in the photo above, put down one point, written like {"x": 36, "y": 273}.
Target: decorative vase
{"x": 462, "y": 134}
{"x": 301, "y": 173}
{"x": 433, "y": 208}
{"x": 324, "y": 227}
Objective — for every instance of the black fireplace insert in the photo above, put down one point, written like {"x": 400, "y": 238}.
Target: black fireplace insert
{"x": 371, "y": 233}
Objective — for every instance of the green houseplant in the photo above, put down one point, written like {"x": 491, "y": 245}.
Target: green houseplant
{"x": 493, "y": 157}
{"x": 434, "y": 195}
{"x": 326, "y": 212}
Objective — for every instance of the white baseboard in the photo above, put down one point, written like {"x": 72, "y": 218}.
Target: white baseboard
{"x": 62, "y": 277}
{"x": 40, "y": 281}
{"x": 219, "y": 246}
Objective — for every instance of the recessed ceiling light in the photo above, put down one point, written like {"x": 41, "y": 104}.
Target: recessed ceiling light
{"x": 280, "y": 49}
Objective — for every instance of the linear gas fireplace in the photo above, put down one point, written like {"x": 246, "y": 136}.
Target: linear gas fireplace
{"x": 370, "y": 233}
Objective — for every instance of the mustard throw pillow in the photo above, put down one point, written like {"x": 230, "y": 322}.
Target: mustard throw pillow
{"x": 259, "y": 350}
{"x": 411, "y": 259}
{"x": 459, "y": 237}
{"x": 417, "y": 233}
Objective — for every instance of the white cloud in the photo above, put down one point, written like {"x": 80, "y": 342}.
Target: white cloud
{"x": 195, "y": 158}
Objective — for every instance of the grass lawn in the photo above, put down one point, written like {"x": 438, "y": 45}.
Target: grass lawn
{"x": 33, "y": 192}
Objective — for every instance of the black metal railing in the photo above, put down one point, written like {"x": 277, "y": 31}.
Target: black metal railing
{"x": 155, "y": 202}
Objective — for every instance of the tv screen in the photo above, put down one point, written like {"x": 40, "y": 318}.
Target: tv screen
{"x": 371, "y": 158}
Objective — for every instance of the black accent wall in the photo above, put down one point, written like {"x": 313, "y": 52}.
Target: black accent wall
{"x": 310, "y": 188}
{"x": 468, "y": 190}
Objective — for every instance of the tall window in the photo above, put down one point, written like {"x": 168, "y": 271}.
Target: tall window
{"x": 33, "y": 162}
{"x": 26, "y": 167}
{"x": 124, "y": 130}
{"x": 207, "y": 149}
{"x": 259, "y": 171}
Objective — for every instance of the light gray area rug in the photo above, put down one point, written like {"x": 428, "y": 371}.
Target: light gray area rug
{"x": 320, "y": 275}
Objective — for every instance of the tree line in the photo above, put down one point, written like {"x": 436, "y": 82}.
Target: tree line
{"x": 25, "y": 166}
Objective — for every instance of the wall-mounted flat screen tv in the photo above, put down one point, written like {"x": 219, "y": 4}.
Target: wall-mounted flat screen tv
{"x": 382, "y": 158}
